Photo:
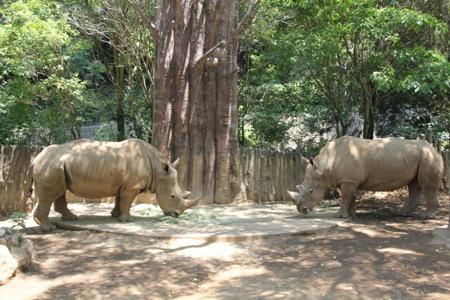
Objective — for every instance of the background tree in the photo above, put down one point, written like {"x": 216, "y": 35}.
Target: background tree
{"x": 45, "y": 74}
{"x": 124, "y": 44}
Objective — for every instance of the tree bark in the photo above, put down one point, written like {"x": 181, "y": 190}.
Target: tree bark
{"x": 195, "y": 105}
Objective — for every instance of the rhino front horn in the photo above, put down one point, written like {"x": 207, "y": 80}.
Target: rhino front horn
{"x": 293, "y": 196}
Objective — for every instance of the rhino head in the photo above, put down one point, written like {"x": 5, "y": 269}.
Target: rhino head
{"x": 171, "y": 198}
{"x": 311, "y": 191}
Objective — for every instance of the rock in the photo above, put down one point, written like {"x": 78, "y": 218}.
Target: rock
{"x": 23, "y": 254}
{"x": 8, "y": 265}
{"x": 14, "y": 239}
{"x": 2, "y": 232}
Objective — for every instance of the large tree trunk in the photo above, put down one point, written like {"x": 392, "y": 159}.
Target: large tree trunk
{"x": 195, "y": 105}
{"x": 369, "y": 121}
{"x": 119, "y": 82}
{"x": 370, "y": 97}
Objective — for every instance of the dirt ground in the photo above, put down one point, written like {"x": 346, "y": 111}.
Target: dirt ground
{"x": 376, "y": 255}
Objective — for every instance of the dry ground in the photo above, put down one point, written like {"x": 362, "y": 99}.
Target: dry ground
{"x": 377, "y": 255}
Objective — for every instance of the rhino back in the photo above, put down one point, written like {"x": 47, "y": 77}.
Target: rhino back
{"x": 380, "y": 164}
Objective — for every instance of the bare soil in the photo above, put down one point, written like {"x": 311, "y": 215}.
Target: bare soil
{"x": 376, "y": 255}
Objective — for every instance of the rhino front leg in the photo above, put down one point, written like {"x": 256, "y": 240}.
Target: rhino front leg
{"x": 41, "y": 215}
{"x": 353, "y": 206}
{"x": 126, "y": 199}
{"x": 60, "y": 206}
{"x": 347, "y": 201}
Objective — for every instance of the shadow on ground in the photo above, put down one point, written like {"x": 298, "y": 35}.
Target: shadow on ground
{"x": 373, "y": 256}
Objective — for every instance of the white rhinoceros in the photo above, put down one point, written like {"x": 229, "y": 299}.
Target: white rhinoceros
{"x": 386, "y": 164}
{"x": 93, "y": 169}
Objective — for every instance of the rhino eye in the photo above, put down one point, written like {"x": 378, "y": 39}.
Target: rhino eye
{"x": 311, "y": 191}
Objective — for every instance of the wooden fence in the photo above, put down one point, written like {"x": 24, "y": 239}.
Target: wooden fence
{"x": 266, "y": 176}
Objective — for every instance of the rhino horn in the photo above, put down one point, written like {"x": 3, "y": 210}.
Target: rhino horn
{"x": 293, "y": 196}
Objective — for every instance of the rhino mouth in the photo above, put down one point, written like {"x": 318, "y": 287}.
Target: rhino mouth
{"x": 303, "y": 210}
{"x": 174, "y": 214}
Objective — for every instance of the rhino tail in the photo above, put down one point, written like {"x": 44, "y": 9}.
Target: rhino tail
{"x": 30, "y": 185}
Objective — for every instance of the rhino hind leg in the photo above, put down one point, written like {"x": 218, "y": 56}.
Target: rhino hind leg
{"x": 41, "y": 215}
{"x": 347, "y": 207}
{"x": 126, "y": 199}
{"x": 115, "y": 212}
{"x": 432, "y": 204}
{"x": 413, "y": 201}
{"x": 60, "y": 206}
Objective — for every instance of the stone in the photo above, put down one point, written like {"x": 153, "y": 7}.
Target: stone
{"x": 14, "y": 240}
{"x": 2, "y": 232}
{"x": 23, "y": 254}
{"x": 8, "y": 265}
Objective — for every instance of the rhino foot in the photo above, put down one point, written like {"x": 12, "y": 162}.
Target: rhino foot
{"x": 429, "y": 216}
{"x": 115, "y": 213}
{"x": 125, "y": 218}
{"x": 47, "y": 227}
{"x": 343, "y": 214}
{"x": 69, "y": 217}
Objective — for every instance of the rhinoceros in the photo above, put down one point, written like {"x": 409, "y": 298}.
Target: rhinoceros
{"x": 93, "y": 169}
{"x": 384, "y": 164}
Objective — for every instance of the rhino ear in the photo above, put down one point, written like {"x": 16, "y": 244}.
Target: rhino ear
{"x": 293, "y": 196}
{"x": 175, "y": 163}
{"x": 166, "y": 168}
{"x": 317, "y": 167}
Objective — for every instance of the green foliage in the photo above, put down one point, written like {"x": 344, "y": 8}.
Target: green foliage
{"x": 197, "y": 216}
{"x": 342, "y": 53}
{"x": 306, "y": 70}
{"x": 43, "y": 97}
{"x": 18, "y": 218}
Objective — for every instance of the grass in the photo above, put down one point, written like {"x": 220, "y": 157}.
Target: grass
{"x": 198, "y": 216}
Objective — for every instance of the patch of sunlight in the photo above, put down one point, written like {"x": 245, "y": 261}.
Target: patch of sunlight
{"x": 239, "y": 272}
{"x": 400, "y": 251}
{"x": 344, "y": 286}
{"x": 373, "y": 232}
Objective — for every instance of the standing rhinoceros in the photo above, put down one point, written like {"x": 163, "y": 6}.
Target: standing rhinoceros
{"x": 387, "y": 164}
{"x": 93, "y": 169}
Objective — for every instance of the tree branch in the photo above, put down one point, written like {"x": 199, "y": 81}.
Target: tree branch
{"x": 248, "y": 17}
{"x": 144, "y": 19}
{"x": 204, "y": 56}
